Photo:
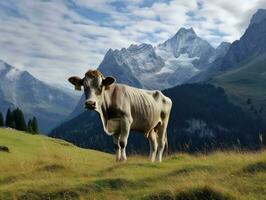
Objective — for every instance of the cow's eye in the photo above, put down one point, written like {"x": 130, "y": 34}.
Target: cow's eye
{"x": 87, "y": 92}
{"x": 99, "y": 90}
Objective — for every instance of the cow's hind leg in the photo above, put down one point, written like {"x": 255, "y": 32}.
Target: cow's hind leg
{"x": 125, "y": 128}
{"x": 153, "y": 144}
{"x": 117, "y": 146}
{"x": 162, "y": 137}
{"x": 161, "y": 143}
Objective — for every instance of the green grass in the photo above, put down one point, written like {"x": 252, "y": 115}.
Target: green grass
{"x": 39, "y": 167}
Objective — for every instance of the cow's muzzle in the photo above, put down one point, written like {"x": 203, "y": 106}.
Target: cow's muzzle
{"x": 91, "y": 105}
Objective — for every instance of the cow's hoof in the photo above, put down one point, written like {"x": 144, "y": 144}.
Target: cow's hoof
{"x": 123, "y": 159}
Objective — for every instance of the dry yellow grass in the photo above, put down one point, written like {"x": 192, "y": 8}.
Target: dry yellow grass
{"x": 39, "y": 167}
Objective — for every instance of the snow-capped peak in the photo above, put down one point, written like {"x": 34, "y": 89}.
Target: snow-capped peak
{"x": 186, "y": 41}
{"x": 9, "y": 72}
{"x": 163, "y": 66}
{"x": 13, "y": 74}
{"x": 183, "y": 31}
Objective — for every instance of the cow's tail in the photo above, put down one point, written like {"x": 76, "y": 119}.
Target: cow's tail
{"x": 166, "y": 144}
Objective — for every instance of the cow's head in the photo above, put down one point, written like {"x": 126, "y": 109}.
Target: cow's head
{"x": 94, "y": 84}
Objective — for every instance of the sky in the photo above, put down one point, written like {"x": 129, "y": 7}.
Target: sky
{"x": 55, "y": 39}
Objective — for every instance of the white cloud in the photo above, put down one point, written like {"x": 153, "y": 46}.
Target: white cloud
{"x": 52, "y": 40}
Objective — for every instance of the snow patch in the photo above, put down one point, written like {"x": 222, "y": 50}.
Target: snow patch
{"x": 165, "y": 70}
{"x": 13, "y": 74}
{"x": 200, "y": 128}
{"x": 50, "y": 97}
{"x": 173, "y": 63}
{"x": 2, "y": 65}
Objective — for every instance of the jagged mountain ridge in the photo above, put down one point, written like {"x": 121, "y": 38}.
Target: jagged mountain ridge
{"x": 19, "y": 88}
{"x": 163, "y": 66}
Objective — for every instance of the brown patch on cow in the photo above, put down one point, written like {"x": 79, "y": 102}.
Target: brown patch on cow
{"x": 163, "y": 114}
{"x": 93, "y": 74}
{"x": 156, "y": 95}
{"x": 164, "y": 101}
{"x": 75, "y": 80}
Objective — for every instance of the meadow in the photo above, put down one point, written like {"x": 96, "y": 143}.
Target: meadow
{"x": 39, "y": 167}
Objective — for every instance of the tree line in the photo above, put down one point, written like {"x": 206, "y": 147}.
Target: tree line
{"x": 15, "y": 119}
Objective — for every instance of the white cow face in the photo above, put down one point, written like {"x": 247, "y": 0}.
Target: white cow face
{"x": 94, "y": 85}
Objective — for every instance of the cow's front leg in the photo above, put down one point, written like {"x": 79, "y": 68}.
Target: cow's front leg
{"x": 125, "y": 128}
{"x": 117, "y": 146}
{"x": 153, "y": 144}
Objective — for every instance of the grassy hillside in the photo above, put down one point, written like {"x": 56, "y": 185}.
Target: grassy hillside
{"x": 38, "y": 167}
{"x": 246, "y": 81}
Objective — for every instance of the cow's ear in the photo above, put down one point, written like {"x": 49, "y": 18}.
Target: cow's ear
{"x": 108, "y": 81}
{"x": 76, "y": 81}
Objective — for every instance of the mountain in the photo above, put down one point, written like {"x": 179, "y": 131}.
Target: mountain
{"x": 216, "y": 60}
{"x": 186, "y": 43}
{"x": 19, "y": 88}
{"x": 242, "y": 70}
{"x": 202, "y": 118}
{"x": 220, "y": 52}
{"x": 258, "y": 17}
{"x": 125, "y": 64}
{"x": 250, "y": 46}
{"x": 166, "y": 65}
{"x": 160, "y": 67}
{"x": 246, "y": 85}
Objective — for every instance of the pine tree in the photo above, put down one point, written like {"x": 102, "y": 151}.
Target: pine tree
{"x": 35, "y": 127}
{"x": 12, "y": 124}
{"x": 19, "y": 120}
{"x": 249, "y": 101}
{"x": 29, "y": 128}
{"x": 10, "y": 119}
{"x": 1, "y": 120}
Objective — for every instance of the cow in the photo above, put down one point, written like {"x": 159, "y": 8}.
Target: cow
{"x": 123, "y": 108}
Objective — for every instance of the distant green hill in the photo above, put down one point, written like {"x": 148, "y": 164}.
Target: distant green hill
{"x": 247, "y": 81}
{"x": 39, "y": 167}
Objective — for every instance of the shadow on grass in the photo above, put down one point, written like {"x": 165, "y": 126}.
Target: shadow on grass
{"x": 201, "y": 193}
{"x": 189, "y": 169}
{"x": 255, "y": 167}
{"x": 8, "y": 180}
{"x": 4, "y": 149}
{"x": 119, "y": 166}
{"x": 52, "y": 168}
{"x": 113, "y": 184}
{"x": 30, "y": 195}
{"x": 78, "y": 191}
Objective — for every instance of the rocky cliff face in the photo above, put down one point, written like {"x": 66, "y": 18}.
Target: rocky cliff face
{"x": 163, "y": 66}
